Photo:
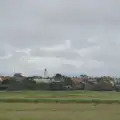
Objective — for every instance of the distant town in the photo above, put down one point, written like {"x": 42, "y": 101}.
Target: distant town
{"x": 59, "y": 82}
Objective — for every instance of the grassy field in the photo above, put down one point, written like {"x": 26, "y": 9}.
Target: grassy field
{"x": 53, "y": 111}
{"x": 61, "y": 96}
{"x": 59, "y": 105}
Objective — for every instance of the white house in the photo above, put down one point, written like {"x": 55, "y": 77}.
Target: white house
{"x": 43, "y": 80}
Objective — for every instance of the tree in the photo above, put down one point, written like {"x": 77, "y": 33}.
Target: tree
{"x": 58, "y": 77}
{"x": 29, "y": 83}
{"x": 9, "y": 81}
{"x": 57, "y": 86}
{"x": 67, "y": 81}
{"x": 106, "y": 83}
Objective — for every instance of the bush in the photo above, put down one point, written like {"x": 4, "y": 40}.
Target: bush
{"x": 52, "y": 100}
{"x": 57, "y": 86}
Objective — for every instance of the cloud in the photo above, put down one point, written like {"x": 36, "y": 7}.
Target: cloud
{"x": 71, "y": 36}
{"x": 60, "y": 51}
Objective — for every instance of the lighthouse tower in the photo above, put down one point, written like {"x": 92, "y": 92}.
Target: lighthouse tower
{"x": 45, "y": 73}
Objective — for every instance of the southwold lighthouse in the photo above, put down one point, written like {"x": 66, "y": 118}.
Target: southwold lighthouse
{"x": 44, "y": 79}
{"x": 45, "y": 73}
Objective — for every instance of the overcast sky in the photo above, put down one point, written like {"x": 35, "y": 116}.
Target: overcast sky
{"x": 72, "y": 37}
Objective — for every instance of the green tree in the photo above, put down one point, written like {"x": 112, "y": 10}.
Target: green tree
{"x": 67, "y": 81}
{"x": 58, "y": 77}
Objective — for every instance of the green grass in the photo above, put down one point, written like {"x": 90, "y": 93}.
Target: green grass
{"x": 62, "y": 94}
{"x": 59, "y": 105}
{"x": 61, "y": 97}
{"x": 53, "y": 111}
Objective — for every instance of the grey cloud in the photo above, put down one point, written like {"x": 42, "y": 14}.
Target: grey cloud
{"x": 43, "y": 22}
{"x": 2, "y": 52}
{"x": 66, "y": 54}
{"x": 92, "y": 26}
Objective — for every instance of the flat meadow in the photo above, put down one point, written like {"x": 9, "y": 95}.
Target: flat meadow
{"x": 59, "y": 105}
{"x": 112, "y": 95}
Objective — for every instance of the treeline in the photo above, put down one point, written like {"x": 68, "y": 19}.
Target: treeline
{"x": 60, "y": 82}
{"x": 28, "y": 83}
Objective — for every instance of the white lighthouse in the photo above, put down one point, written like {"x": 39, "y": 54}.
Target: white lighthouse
{"x": 45, "y": 73}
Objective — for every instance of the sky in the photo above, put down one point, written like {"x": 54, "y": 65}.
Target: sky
{"x": 71, "y": 37}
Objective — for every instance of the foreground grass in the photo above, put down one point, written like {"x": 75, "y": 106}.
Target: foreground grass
{"x": 59, "y": 105}
{"x": 52, "y": 111}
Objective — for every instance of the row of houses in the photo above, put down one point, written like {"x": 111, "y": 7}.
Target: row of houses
{"x": 80, "y": 83}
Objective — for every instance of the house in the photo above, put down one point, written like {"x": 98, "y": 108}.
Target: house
{"x": 1, "y": 79}
{"x": 117, "y": 84}
{"x": 42, "y": 80}
{"x": 78, "y": 83}
{"x": 19, "y": 77}
{"x": 91, "y": 84}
